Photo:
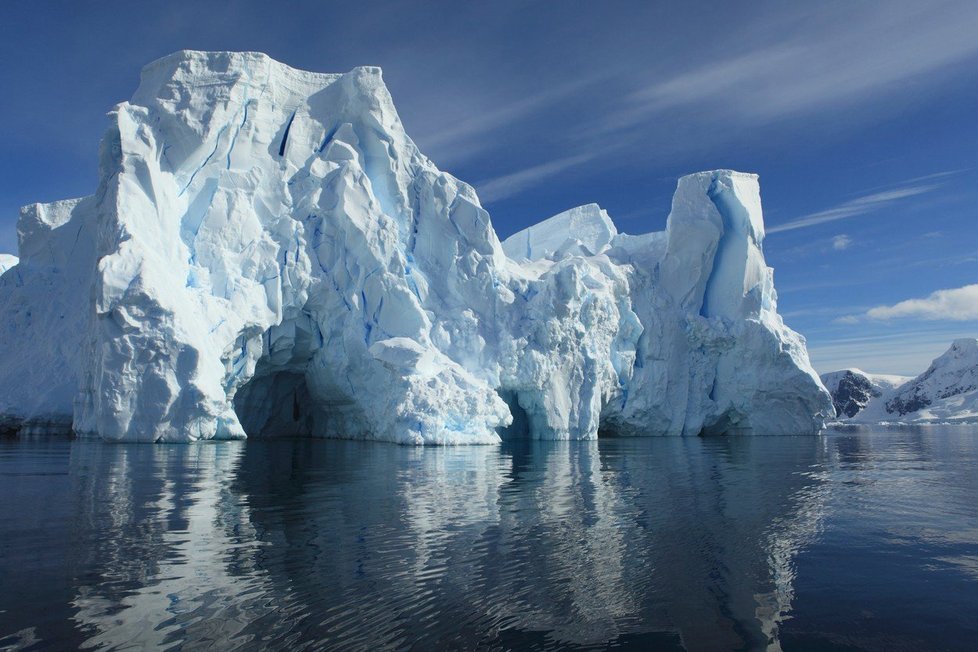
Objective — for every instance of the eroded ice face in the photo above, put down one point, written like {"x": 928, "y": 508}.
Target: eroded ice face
{"x": 269, "y": 253}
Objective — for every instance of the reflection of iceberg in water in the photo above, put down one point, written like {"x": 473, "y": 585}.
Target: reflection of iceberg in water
{"x": 702, "y": 544}
{"x": 455, "y": 491}
{"x": 577, "y": 581}
{"x": 446, "y": 547}
{"x": 539, "y": 543}
{"x": 380, "y": 545}
{"x": 642, "y": 543}
{"x": 535, "y": 547}
{"x": 721, "y": 521}
{"x": 176, "y": 549}
{"x": 787, "y": 536}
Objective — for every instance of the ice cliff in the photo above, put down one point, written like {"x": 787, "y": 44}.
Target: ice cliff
{"x": 268, "y": 253}
{"x": 946, "y": 392}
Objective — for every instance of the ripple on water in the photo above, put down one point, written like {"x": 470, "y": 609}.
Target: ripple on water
{"x": 866, "y": 538}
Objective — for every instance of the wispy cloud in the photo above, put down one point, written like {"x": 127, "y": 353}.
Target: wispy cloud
{"x": 510, "y": 184}
{"x": 933, "y": 176}
{"x": 783, "y": 67}
{"x": 904, "y": 353}
{"x": 820, "y": 311}
{"x": 814, "y": 62}
{"x": 858, "y": 206}
{"x": 700, "y": 85}
{"x": 784, "y": 289}
{"x": 468, "y": 135}
{"x": 955, "y": 304}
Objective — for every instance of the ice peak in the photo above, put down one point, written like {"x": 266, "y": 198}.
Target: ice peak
{"x": 968, "y": 345}
{"x": 230, "y": 62}
{"x": 589, "y": 226}
{"x": 962, "y": 354}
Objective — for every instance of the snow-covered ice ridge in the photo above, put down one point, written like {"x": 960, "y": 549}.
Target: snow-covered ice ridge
{"x": 268, "y": 253}
{"x": 947, "y": 392}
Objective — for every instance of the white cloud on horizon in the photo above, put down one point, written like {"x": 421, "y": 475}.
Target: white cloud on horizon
{"x": 954, "y": 304}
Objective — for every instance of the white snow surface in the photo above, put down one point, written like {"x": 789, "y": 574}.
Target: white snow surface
{"x": 268, "y": 253}
{"x": 947, "y": 392}
{"x": 585, "y": 230}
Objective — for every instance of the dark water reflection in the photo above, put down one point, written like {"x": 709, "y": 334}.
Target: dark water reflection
{"x": 852, "y": 540}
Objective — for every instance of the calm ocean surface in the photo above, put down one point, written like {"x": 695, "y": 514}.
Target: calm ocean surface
{"x": 852, "y": 540}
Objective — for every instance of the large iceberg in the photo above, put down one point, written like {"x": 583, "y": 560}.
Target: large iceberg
{"x": 268, "y": 253}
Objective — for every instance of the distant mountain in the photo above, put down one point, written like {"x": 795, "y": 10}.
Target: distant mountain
{"x": 946, "y": 392}
{"x": 853, "y": 389}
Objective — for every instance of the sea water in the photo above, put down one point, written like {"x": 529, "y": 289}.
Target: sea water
{"x": 858, "y": 539}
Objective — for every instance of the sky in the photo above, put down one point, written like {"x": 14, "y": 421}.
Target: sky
{"x": 859, "y": 117}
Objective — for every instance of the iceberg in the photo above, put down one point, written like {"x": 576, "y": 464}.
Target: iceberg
{"x": 268, "y": 253}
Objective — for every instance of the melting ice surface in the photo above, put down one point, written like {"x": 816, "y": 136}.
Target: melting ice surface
{"x": 859, "y": 539}
{"x": 267, "y": 252}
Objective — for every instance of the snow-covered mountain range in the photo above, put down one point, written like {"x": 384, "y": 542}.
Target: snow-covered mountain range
{"x": 947, "y": 392}
{"x": 267, "y": 252}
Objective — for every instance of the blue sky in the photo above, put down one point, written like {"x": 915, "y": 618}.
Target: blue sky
{"x": 860, "y": 118}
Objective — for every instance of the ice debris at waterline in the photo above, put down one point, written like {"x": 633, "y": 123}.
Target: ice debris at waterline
{"x": 269, "y": 253}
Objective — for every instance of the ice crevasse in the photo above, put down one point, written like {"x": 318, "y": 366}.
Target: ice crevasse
{"x": 268, "y": 253}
